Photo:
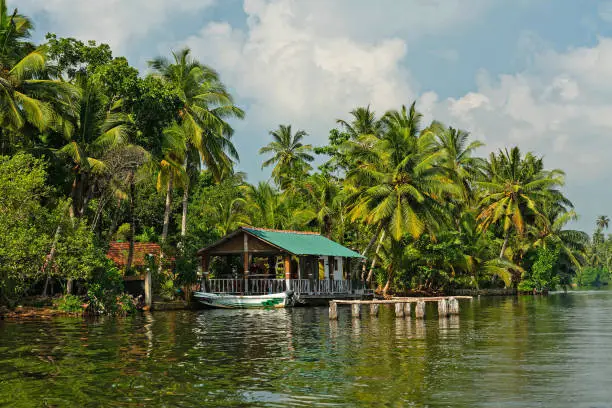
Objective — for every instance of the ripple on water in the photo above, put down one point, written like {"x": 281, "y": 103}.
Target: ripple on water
{"x": 551, "y": 351}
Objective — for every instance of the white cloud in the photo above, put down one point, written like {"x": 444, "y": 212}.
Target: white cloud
{"x": 116, "y": 22}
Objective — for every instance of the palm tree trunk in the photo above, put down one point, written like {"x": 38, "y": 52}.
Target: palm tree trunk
{"x": 51, "y": 254}
{"x": 185, "y": 203}
{"x": 130, "y": 257}
{"x": 167, "y": 210}
{"x": 382, "y": 238}
{"x": 388, "y": 284}
{"x": 367, "y": 249}
{"x": 504, "y": 245}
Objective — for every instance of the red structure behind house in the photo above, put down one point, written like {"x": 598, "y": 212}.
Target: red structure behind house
{"x": 118, "y": 253}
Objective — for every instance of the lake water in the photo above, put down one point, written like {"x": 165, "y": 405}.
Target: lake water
{"x": 553, "y": 351}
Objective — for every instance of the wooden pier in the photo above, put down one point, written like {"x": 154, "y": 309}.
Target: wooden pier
{"x": 447, "y": 305}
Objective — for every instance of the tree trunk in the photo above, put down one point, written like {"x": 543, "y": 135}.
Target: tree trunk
{"x": 130, "y": 258}
{"x": 115, "y": 222}
{"x": 185, "y": 204}
{"x": 504, "y": 245}
{"x": 167, "y": 210}
{"x": 382, "y": 238}
{"x": 388, "y": 284}
{"x": 166, "y": 224}
{"x": 51, "y": 254}
{"x": 367, "y": 249}
{"x": 88, "y": 197}
{"x": 73, "y": 196}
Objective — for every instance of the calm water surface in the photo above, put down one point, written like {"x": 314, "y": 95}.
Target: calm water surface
{"x": 527, "y": 352}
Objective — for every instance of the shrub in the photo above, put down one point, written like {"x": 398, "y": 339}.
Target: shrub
{"x": 69, "y": 304}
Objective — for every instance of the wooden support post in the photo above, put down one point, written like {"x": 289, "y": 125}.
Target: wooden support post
{"x": 453, "y": 306}
{"x": 356, "y": 310}
{"x": 399, "y": 310}
{"x": 407, "y": 310}
{"x": 419, "y": 310}
{"x": 288, "y": 273}
{"x": 374, "y": 309}
{"x": 442, "y": 309}
{"x": 333, "y": 310}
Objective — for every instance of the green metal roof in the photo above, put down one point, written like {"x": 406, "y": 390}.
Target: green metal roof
{"x": 302, "y": 243}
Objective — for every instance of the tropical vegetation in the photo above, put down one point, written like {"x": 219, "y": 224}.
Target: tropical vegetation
{"x": 94, "y": 151}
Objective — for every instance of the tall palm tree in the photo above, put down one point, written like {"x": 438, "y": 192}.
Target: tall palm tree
{"x": 26, "y": 92}
{"x": 95, "y": 129}
{"x": 323, "y": 196}
{"x": 207, "y": 106}
{"x": 458, "y": 162}
{"x": 514, "y": 192}
{"x": 397, "y": 189}
{"x": 290, "y": 158}
{"x": 363, "y": 122}
{"x": 602, "y": 222}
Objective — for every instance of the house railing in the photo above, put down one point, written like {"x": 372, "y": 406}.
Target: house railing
{"x": 268, "y": 286}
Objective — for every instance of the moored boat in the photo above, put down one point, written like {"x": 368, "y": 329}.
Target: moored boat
{"x": 227, "y": 301}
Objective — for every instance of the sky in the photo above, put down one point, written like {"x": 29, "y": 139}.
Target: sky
{"x": 532, "y": 73}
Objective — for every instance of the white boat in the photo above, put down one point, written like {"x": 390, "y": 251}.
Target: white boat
{"x": 223, "y": 301}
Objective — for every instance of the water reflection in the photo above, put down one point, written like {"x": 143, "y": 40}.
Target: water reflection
{"x": 532, "y": 351}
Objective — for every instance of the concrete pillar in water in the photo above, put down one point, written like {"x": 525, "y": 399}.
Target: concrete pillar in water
{"x": 419, "y": 310}
{"x": 453, "y": 306}
{"x": 148, "y": 289}
{"x": 399, "y": 310}
{"x": 333, "y": 311}
{"x": 442, "y": 309}
{"x": 407, "y": 310}
{"x": 374, "y": 309}
{"x": 356, "y": 310}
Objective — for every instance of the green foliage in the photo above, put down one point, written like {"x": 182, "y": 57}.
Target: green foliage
{"x": 594, "y": 277}
{"x": 544, "y": 271}
{"x": 69, "y": 304}
{"x": 123, "y": 232}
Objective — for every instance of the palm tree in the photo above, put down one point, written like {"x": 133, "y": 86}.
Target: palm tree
{"x": 290, "y": 156}
{"x": 206, "y": 107}
{"x": 549, "y": 232}
{"x": 458, "y": 163}
{"x": 514, "y": 192}
{"x": 602, "y": 222}
{"x": 364, "y": 122}
{"x": 96, "y": 128}
{"x": 26, "y": 92}
{"x": 324, "y": 198}
{"x": 396, "y": 190}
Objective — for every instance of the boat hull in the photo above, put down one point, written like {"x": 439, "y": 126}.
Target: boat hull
{"x": 274, "y": 300}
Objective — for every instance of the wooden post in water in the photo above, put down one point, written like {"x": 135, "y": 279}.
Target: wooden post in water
{"x": 399, "y": 310}
{"x": 333, "y": 310}
{"x": 453, "y": 306}
{"x": 442, "y": 309}
{"x": 374, "y": 309}
{"x": 419, "y": 310}
{"x": 407, "y": 310}
{"x": 356, "y": 310}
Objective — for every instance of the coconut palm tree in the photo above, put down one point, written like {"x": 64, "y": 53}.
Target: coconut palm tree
{"x": 515, "y": 192}
{"x": 397, "y": 189}
{"x": 207, "y": 106}
{"x": 94, "y": 129}
{"x": 549, "y": 231}
{"x": 458, "y": 163}
{"x": 602, "y": 222}
{"x": 324, "y": 198}
{"x": 290, "y": 158}
{"x": 26, "y": 92}
{"x": 364, "y": 122}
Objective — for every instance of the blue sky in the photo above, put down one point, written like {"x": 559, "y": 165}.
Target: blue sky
{"x": 533, "y": 73}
